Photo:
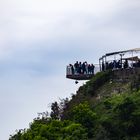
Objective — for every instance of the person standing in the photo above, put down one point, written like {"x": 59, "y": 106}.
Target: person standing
{"x": 76, "y": 65}
{"x": 83, "y": 68}
{"x": 92, "y": 68}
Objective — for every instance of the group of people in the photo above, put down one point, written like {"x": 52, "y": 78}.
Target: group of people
{"x": 119, "y": 64}
{"x": 111, "y": 65}
{"x": 85, "y": 68}
{"x": 81, "y": 68}
{"x": 136, "y": 64}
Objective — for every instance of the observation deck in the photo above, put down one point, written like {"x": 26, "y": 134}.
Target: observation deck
{"x": 81, "y": 76}
{"x": 115, "y": 61}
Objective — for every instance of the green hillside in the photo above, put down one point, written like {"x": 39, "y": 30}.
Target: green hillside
{"x": 106, "y": 108}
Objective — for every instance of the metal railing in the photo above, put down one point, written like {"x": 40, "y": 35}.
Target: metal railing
{"x": 70, "y": 72}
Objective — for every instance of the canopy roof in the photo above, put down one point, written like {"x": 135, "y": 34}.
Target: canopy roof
{"x": 135, "y": 58}
{"x": 120, "y": 52}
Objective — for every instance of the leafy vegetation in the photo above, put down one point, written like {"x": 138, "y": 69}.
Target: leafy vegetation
{"x": 121, "y": 118}
{"x": 52, "y": 130}
{"x": 116, "y": 117}
{"x": 96, "y": 82}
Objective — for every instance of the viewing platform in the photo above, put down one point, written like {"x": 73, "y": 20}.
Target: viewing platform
{"x": 81, "y": 76}
{"x": 127, "y": 61}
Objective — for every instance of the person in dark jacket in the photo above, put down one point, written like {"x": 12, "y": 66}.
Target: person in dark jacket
{"x": 92, "y": 68}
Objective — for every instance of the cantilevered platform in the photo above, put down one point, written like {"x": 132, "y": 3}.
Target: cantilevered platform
{"x": 125, "y": 62}
{"x": 80, "y": 76}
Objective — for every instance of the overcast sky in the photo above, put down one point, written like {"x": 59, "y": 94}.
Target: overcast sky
{"x": 38, "y": 38}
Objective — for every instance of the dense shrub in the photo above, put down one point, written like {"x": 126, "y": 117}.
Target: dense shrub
{"x": 122, "y": 117}
{"x": 84, "y": 115}
{"x": 97, "y": 81}
{"x": 54, "y": 130}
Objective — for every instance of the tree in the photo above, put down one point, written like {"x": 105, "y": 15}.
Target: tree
{"x": 55, "y": 113}
{"x": 84, "y": 115}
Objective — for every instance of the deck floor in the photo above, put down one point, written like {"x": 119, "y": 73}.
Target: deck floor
{"x": 80, "y": 76}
